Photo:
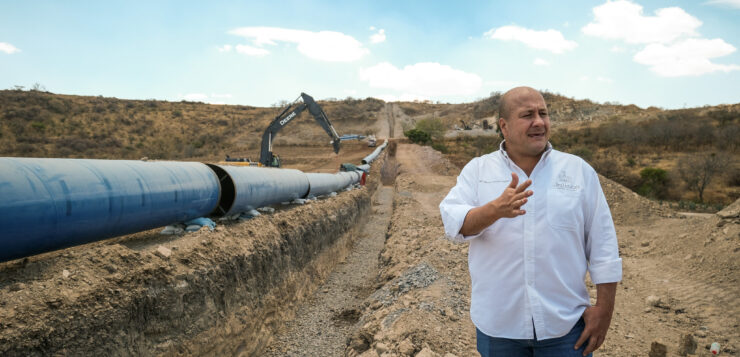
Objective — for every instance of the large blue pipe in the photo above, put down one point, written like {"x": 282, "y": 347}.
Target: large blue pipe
{"x": 374, "y": 155}
{"x": 48, "y": 204}
{"x": 246, "y": 187}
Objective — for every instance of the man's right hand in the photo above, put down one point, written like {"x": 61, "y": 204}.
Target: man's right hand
{"x": 508, "y": 205}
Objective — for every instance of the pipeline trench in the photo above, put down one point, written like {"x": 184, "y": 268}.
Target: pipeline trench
{"x": 224, "y": 292}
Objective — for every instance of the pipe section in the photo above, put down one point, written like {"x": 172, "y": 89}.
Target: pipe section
{"x": 374, "y": 155}
{"x": 246, "y": 188}
{"x": 49, "y": 204}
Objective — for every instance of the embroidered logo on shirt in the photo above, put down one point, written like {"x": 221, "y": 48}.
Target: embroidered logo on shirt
{"x": 565, "y": 182}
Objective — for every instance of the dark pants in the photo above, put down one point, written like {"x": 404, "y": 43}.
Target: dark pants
{"x": 554, "y": 347}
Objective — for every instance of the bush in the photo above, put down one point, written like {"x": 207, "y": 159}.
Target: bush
{"x": 417, "y": 136}
{"x": 432, "y": 126}
{"x": 440, "y": 147}
{"x": 654, "y": 183}
{"x": 584, "y": 152}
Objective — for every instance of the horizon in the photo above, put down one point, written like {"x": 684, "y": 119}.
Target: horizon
{"x": 659, "y": 53}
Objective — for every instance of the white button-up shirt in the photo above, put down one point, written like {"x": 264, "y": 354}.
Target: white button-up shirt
{"x": 531, "y": 269}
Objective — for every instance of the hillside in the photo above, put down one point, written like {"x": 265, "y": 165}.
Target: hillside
{"x": 41, "y": 124}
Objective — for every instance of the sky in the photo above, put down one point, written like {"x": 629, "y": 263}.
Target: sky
{"x": 663, "y": 53}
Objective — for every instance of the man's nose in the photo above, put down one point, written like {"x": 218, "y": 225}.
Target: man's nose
{"x": 538, "y": 120}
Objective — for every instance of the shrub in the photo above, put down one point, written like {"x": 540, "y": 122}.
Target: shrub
{"x": 654, "y": 182}
{"x": 417, "y": 136}
{"x": 584, "y": 152}
{"x": 440, "y": 147}
{"x": 432, "y": 126}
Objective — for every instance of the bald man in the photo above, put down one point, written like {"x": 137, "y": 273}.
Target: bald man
{"x": 531, "y": 243}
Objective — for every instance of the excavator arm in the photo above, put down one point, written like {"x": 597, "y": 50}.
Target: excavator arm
{"x": 291, "y": 112}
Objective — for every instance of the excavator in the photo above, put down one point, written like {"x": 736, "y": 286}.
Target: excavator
{"x": 292, "y": 111}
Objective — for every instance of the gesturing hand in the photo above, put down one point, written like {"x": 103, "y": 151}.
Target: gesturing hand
{"x": 511, "y": 200}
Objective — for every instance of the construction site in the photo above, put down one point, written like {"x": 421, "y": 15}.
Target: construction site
{"x": 296, "y": 244}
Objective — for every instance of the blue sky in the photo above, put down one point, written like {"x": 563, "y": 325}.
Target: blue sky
{"x": 670, "y": 54}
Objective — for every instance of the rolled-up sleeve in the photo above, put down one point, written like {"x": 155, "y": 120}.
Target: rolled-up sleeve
{"x": 602, "y": 250}
{"x": 461, "y": 199}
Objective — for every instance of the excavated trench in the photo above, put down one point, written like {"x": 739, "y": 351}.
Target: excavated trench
{"x": 206, "y": 293}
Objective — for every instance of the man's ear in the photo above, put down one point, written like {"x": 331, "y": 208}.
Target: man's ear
{"x": 502, "y": 126}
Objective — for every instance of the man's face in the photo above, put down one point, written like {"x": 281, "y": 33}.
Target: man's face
{"x": 527, "y": 129}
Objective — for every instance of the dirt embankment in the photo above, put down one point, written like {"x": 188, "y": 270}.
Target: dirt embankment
{"x": 206, "y": 293}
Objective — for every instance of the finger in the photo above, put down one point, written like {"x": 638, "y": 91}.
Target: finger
{"x": 592, "y": 340}
{"x": 523, "y": 186}
{"x": 521, "y": 195}
{"x": 514, "y": 180}
{"x": 581, "y": 339}
{"x": 519, "y": 203}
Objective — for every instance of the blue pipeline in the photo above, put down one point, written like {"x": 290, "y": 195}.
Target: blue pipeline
{"x": 49, "y": 204}
{"x": 374, "y": 155}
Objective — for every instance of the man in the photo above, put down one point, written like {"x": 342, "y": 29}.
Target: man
{"x": 532, "y": 243}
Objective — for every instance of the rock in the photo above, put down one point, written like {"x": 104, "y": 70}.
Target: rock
{"x": 700, "y": 333}
{"x": 645, "y": 243}
{"x": 657, "y": 349}
{"x": 449, "y": 355}
{"x": 406, "y": 347}
{"x": 163, "y": 251}
{"x": 653, "y": 300}
{"x": 65, "y": 273}
{"x": 427, "y": 352}
{"x": 686, "y": 345}
{"x": 381, "y": 347}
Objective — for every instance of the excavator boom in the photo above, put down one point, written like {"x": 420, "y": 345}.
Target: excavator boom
{"x": 291, "y": 112}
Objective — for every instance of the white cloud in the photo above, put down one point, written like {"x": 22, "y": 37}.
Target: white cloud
{"x": 426, "y": 79}
{"x": 195, "y": 97}
{"x": 690, "y": 57}
{"x": 617, "y": 49}
{"x": 378, "y": 37}
{"x": 372, "y": 28}
{"x": 624, "y": 20}
{"x": 541, "y": 62}
{"x": 323, "y": 45}
{"x": 225, "y": 48}
{"x": 550, "y": 40}
{"x": 405, "y": 97}
{"x": 251, "y": 51}
{"x": 604, "y": 79}
{"x": 729, "y": 3}
{"x": 8, "y": 48}
{"x": 584, "y": 78}
{"x": 202, "y": 97}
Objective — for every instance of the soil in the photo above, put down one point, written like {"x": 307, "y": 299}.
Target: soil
{"x": 352, "y": 275}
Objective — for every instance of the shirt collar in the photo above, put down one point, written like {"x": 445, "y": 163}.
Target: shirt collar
{"x": 502, "y": 149}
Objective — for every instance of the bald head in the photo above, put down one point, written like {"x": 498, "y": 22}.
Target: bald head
{"x": 510, "y": 98}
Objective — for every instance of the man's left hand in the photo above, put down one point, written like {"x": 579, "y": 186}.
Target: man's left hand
{"x": 597, "y": 320}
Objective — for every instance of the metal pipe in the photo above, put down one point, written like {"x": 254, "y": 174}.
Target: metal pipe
{"x": 374, "y": 155}
{"x": 49, "y": 204}
{"x": 245, "y": 188}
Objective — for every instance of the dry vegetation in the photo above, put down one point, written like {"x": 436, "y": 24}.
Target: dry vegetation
{"x": 41, "y": 124}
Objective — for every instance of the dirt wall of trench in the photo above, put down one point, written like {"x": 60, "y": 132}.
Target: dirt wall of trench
{"x": 208, "y": 293}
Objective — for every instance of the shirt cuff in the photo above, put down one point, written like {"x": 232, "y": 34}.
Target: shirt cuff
{"x": 457, "y": 216}
{"x": 606, "y": 272}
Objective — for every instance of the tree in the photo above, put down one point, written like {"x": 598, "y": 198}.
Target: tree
{"x": 699, "y": 170}
{"x": 654, "y": 182}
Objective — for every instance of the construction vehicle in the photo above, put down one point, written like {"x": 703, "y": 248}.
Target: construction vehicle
{"x": 465, "y": 126}
{"x": 292, "y": 111}
{"x": 371, "y": 141}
